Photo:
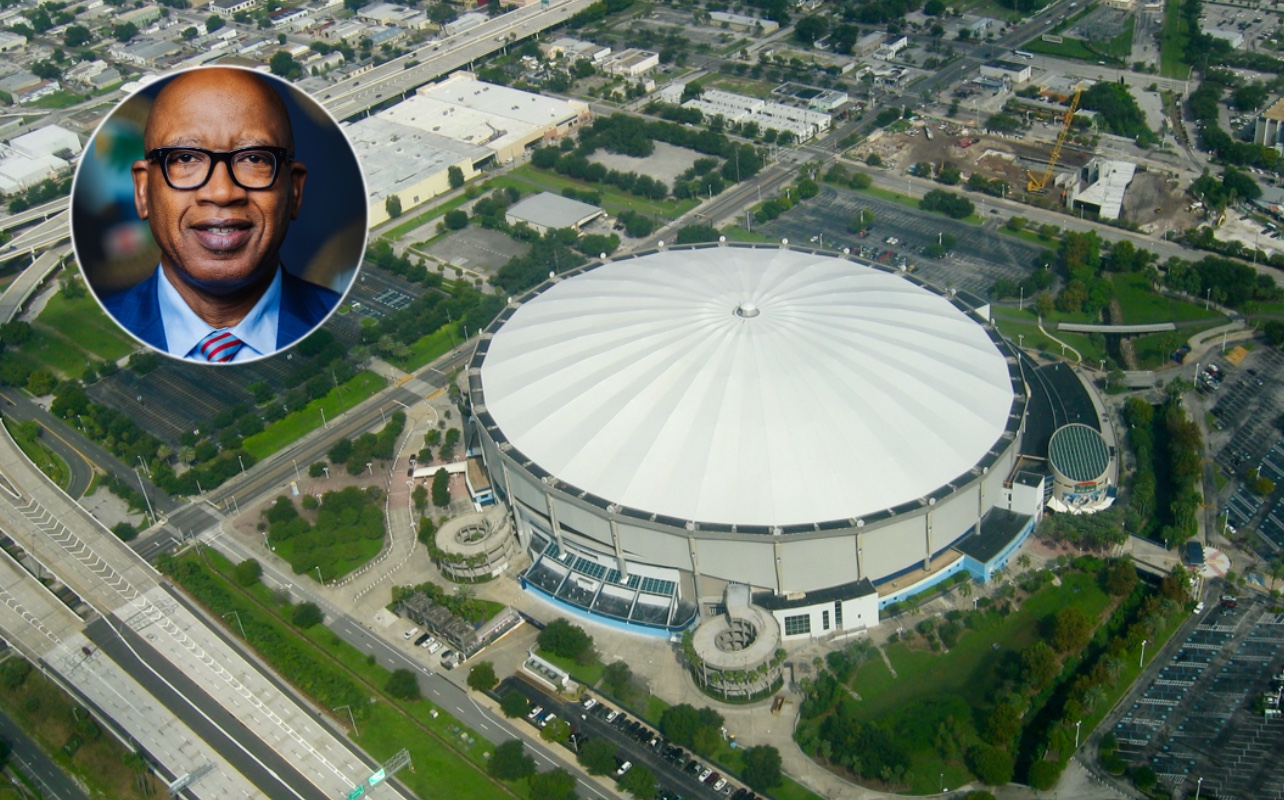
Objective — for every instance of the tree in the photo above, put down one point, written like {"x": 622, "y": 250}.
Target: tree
{"x": 190, "y": 33}
{"x": 514, "y": 705}
{"x": 1039, "y": 665}
{"x": 990, "y": 765}
{"x": 481, "y": 677}
{"x": 1144, "y": 778}
{"x": 951, "y": 205}
{"x": 248, "y": 572}
{"x": 861, "y": 180}
{"x": 1121, "y": 577}
{"x": 306, "y": 615}
{"x": 403, "y": 685}
{"x": 441, "y": 488}
{"x": 1071, "y": 630}
{"x": 511, "y": 762}
{"x": 762, "y": 768}
{"x": 616, "y": 677}
{"x": 934, "y": 8}
{"x": 14, "y": 672}
{"x": 125, "y": 31}
{"x": 77, "y": 36}
{"x": 284, "y": 65}
{"x": 456, "y": 219}
{"x": 563, "y": 639}
{"x": 316, "y": 469}
{"x": 392, "y": 204}
{"x": 559, "y": 730}
{"x": 598, "y": 756}
{"x": 639, "y": 782}
{"x": 124, "y": 531}
{"x": 456, "y": 177}
{"x": 810, "y": 28}
{"x": 213, "y": 22}
{"x": 556, "y": 784}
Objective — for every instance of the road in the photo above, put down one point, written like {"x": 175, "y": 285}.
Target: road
{"x": 28, "y": 758}
{"x": 357, "y": 95}
{"x": 452, "y": 698}
{"x": 275, "y": 776}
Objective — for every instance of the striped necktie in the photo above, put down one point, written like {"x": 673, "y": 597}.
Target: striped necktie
{"x": 219, "y": 347}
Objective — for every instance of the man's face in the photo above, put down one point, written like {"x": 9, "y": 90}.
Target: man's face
{"x": 219, "y": 239}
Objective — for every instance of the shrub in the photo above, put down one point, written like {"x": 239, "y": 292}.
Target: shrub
{"x": 403, "y": 685}
{"x": 248, "y": 572}
{"x": 305, "y": 615}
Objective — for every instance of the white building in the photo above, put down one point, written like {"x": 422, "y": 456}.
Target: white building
{"x": 1010, "y": 71}
{"x": 46, "y": 141}
{"x": 11, "y": 42}
{"x": 743, "y": 22}
{"x": 574, "y": 48}
{"x": 803, "y": 123}
{"x": 547, "y": 211}
{"x": 1100, "y": 187}
{"x": 631, "y": 63}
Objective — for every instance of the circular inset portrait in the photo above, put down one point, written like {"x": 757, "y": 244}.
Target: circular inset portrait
{"x": 219, "y": 215}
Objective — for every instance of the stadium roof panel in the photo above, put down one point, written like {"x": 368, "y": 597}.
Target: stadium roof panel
{"x": 849, "y": 392}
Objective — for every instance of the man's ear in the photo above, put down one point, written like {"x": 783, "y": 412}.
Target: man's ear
{"x": 141, "y": 200}
{"x": 298, "y": 175}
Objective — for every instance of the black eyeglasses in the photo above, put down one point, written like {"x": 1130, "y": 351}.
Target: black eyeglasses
{"x": 188, "y": 168}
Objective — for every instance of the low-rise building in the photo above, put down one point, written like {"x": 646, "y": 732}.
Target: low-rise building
{"x": 1269, "y": 128}
{"x": 140, "y": 16}
{"x": 803, "y": 123}
{"x": 1100, "y": 187}
{"x": 743, "y": 22}
{"x": 285, "y": 17}
{"x": 12, "y": 42}
{"x": 574, "y": 48}
{"x": 546, "y": 211}
{"x": 145, "y": 53}
{"x": 1010, "y": 71}
{"x": 230, "y": 7}
{"x": 51, "y": 140}
{"x": 869, "y": 43}
{"x": 632, "y": 62}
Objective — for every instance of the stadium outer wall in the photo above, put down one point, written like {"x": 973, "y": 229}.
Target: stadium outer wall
{"x": 892, "y": 549}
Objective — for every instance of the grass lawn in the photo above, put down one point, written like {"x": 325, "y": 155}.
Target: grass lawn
{"x": 895, "y": 197}
{"x": 964, "y": 671}
{"x": 49, "y": 462}
{"x": 45, "y": 712}
{"x": 1029, "y": 236}
{"x": 924, "y": 679}
{"x": 428, "y": 348}
{"x": 356, "y": 553}
{"x": 298, "y": 423}
{"x": 589, "y": 676}
{"x": 735, "y": 233}
{"x": 436, "y": 211}
{"x": 60, "y": 99}
{"x": 1143, "y": 307}
{"x": 1153, "y": 350}
{"x": 529, "y": 178}
{"x": 1172, "y": 42}
{"x": 82, "y": 323}
{"x": 1013, "y": 323}
{"x": 1069, "y": 48}
{"x": 446, "y": 755}
{"x": 739, "y": 85}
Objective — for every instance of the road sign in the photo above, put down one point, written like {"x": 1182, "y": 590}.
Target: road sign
{"x": 356, "y": 792}
{"x": 376, "y": 778}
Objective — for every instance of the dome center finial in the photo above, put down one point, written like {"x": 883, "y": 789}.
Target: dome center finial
{"x": 747, "y": 310}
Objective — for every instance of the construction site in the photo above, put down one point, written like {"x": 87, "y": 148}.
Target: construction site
{"x": 1153, "y": 200}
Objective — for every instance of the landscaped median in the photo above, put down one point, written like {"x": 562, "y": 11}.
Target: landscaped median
{"x": 449, "y": 759}
{"x": 299, "y": 423}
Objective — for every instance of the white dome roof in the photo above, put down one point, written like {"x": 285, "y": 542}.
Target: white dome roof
{"x": 747, "y": 386}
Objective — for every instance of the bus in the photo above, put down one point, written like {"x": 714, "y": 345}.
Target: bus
{"x": 1027, "y": 55}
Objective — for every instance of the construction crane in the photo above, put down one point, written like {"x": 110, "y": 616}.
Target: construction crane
{"x": 1039, "y": 183}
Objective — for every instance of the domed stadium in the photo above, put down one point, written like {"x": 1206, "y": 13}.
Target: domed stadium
{"x": 829, "y": 434}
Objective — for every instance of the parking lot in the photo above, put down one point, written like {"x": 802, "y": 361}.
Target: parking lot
{"x": 677, "y": 773}
{"x": 1197, "y": 717}
{"x": 1245, "y": 436}
{"x": 980, "y": 257}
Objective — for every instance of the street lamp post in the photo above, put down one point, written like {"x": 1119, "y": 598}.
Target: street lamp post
{"x": 148, "y": 500}
{"x": 1142, "y": 660}
{"x": 323, "y": 422}
{"x": 326, "y": 470}
{"x": 237, "y": 617}
{"x": 320, "y": 580}
{"x": 295, "y": 461}
{"x": 1199, "y": 784}
{"x": 1076, "y": 734}
{"x": 241, "y": 461}
{"x": 351, "y": 719}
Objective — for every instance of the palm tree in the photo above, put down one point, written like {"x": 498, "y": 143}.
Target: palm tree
{"x": 965, "y": 589}
{"x": 1023, "y": 561}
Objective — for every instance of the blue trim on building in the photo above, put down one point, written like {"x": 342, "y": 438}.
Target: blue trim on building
{"x": 982, "y": 572}
{"x": 662, "y": 632}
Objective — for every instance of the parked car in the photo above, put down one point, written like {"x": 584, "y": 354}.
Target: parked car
{"x": 535, "y": 712}
{"x": 588, "y": 703}
{"x": 410, "y": 634}
{"x": 422, "y": 638}
{"x": 625, "y": 767}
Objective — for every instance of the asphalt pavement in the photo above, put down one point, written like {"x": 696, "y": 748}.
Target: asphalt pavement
{"x": 28, "y": 758}
{"x": 238, "y": 745}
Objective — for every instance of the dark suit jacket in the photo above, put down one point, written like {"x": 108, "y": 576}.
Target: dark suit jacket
{"x": 303, "y": 306}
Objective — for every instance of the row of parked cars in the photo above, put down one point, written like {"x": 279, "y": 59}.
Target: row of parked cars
{"x": 671, "y": 753}
{"x": 449, "y": 659}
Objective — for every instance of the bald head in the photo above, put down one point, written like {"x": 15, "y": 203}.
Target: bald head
{"x": 220, "y": 241}
{"x": 211, "y": 89}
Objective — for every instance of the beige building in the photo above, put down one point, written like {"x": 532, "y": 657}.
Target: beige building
{"x": 1269, "y": 130}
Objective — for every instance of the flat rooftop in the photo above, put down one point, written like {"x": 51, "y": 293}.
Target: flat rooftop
{"x": 396, "y": 156}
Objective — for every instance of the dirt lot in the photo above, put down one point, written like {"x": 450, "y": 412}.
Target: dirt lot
{"x": 475, "y": 249}
{"x": 1153, "y": 200}
{"x": 664, "y": 164}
